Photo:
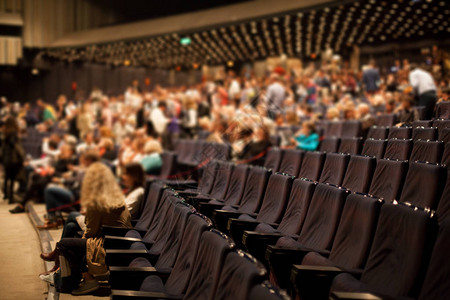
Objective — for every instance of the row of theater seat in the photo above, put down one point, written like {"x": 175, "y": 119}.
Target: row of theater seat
{"x": 173, "y": 252}
{"x": 316, "y": 216}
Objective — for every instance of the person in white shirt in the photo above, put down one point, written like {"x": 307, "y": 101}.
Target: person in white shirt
{"x": 133, "y": 178}
{"x": 159, "y": 119}
{"x": 425, "y": 89}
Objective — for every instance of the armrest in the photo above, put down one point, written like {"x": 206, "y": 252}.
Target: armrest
{"x": 256, "y": 243}
{"x": 313, "y": 282}
{"x": 119, "y": 231}
{"x": 220, "y": 218}
{"x": 185, "y": 194}
{"x": 195, "y": 201}
{"x": 128, "y": 278}
{"x": 353, "y": 296}
{"x": 281, "y": 260}
{"x": 237, "y": 227}
{"x": 207, "y": 208}
{"x": 138, "y": 295}
{"x": 119, "y": 242}
{"x": 118, "y": 257}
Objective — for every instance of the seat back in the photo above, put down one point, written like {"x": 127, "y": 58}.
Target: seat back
{"x": 301, "y": 194}
{"x": 169, "y": 164}
{"x": 151, "y": 206}
{"x": 222, "y": 180}
{"x": 208, "y": 176}
{"x": 351, "y": 145}
{"x": 267, "y": 292}
{"x": 312, "y": 165}
{"x": 422, "y": 123}
{"x": 400, "y": 132}
{"x": 355, "y": 232}
{"x": 275, "y": 198}
{"x": 351, "y": 128}
{"x": 333, "y": 128}
{"x": 359, "y": 173}
{"x": 334, "y": 168}
{"x": 444, "y": 135}
{"x": 174, "y": 221}
{"x": 387, "y": 181}
{"x": 291, "y": 161}
{"x": 436, "y": 280}
{"x": 400, "y": 251}
{"x": 375, "y": 148}
{"x": 429, "y": 151}
{"x": 214, "y": 246}
{"x": 323, "y": 216}
{"x": 237, "y": 184}
{"x": 178, "y": 280}
{"x": 330, "y": 144}
{"x": 165, "y": 204}
{"x": 254, "y": 190}
{"x": 424, "y": 184}
{"x": 388, "y": 120}
{"x": 443, "y": 110}
{"x": 378, "y": 133}
{"x": 273, "y": 159}
{"x": 425, "y": 133}
{"x": 175, "y": 232}
{"x": 398, "y": 149}
{"x": 239, "y": 274}
{"x": 441, "y": 125}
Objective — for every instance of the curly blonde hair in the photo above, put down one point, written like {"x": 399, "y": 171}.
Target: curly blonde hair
{"x": 100, "y": 189}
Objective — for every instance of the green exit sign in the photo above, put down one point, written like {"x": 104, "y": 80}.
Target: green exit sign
{"x": 185, "y": 41}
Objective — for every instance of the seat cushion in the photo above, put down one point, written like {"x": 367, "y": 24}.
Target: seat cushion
{"x": 153, "y": 284}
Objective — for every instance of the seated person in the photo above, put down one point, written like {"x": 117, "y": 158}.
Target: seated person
{"x": 133, "y": 179}
{"x": 152, "y": 161}
{"x": 307, "y": 139}
{"x": 104, "y": 204}
{"x": 407, "y": 112}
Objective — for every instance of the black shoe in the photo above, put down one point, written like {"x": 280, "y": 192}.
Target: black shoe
{"x": 16, "y": 210}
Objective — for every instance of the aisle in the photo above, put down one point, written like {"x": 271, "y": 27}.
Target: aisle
{"x": 19, "y": 257}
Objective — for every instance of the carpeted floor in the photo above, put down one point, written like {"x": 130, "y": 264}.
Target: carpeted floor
{"x": 19, "y": 257}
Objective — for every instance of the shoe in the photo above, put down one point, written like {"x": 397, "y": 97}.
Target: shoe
{"x": 49, "y": 278}
{"x": 86, "y": 287}
{"x": 48, "y": 226}
{"x": 52, "y": 256}
{"x": 17, "y": 210}
{"x": 52, "y": 270}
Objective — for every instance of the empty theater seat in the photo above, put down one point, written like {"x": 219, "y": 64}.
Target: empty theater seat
{"x": 443, "y": 110}
{"x": 330, "y": 144}
{"x": 267, "y": 291}
{"x": 428, "y": 151}
{"x": 351, "y": 128}
{"x": 398, "y": 149}
{"x": 397, "y": 263}
{"x": 334, "y": 168}
{"x": 378, "y": 133}
{"x": 291, "y": 161}
{"x": 273, "y": 159}
{"x": 350, "y": 145}
{"x": 312, "y": 165}
{"x": 388, "y": 120}
{"x": 388, "y": 179}
{"x": 375, "y": 148}
{"x": 350, "y": 248}
{"x": 272, "y": 208}
{"x": 317, "y": 233}
{"x": 264, "y": 234}
{"x": 425, "y": 133}
{"x": 359, "y": 173}
{"x": 400, "y": 133}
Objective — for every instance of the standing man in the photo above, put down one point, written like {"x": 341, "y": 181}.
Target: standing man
{"x": 371, "y": 78}
{"x": 425, "y": 89}
{"x": 275, "y": 95}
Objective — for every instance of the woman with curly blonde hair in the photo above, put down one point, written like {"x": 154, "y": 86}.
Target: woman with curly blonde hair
{"x": 104, "y": 204}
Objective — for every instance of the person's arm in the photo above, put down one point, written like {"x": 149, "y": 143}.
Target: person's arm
{"x": 308, "y": 143}
{"x": 133, "y": 200}
{"x": 93, "y": 223}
